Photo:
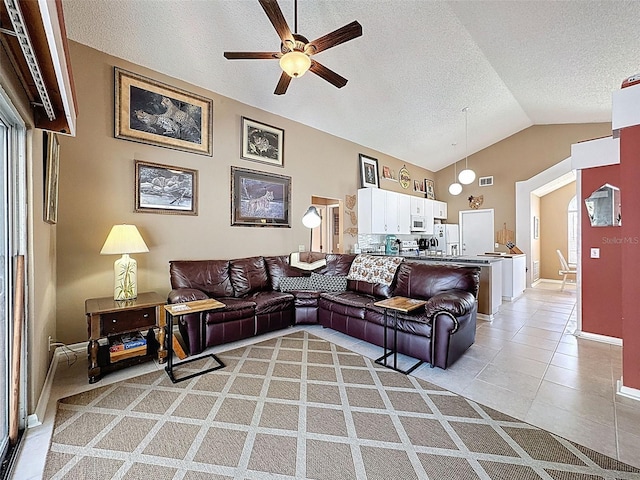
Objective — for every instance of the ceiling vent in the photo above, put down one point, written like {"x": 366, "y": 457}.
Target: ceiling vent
{"x": 485, "y": 181}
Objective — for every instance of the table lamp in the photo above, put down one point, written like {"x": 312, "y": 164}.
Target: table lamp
{"x": 124, "y": 239}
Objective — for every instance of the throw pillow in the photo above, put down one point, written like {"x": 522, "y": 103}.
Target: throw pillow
{"x": 374, "y": 269}
{"x": 328, "y": 283}
{"x": 290, "y": 284}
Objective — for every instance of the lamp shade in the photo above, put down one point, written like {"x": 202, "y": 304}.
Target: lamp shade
{"x": 295, "y": 63}
{"x": 455, "y": 188}
{"x": 124, "y": 239}
{"x": 466, "y": 176}
{"x": 312, "y": 218}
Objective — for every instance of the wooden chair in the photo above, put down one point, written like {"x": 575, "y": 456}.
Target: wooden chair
{"x": 565, "y": 269}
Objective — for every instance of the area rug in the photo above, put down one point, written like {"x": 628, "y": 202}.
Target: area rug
{"x": 300, "y": 407}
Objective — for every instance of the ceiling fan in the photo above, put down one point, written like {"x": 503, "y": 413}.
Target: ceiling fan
{"x": 296, "y": 51}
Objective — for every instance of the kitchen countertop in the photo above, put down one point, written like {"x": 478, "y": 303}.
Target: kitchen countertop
{"x": 472, "y": 259}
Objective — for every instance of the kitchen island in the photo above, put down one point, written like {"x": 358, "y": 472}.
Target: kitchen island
{"x": 490, "y": 291}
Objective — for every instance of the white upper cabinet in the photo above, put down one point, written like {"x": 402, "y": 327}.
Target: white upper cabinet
{"x": 439, "y": 209}
{"x": 383, "y": 212}
{"x": 417, "y": 206}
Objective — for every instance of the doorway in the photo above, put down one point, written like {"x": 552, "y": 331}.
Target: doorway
{"x": 328, "y": 236}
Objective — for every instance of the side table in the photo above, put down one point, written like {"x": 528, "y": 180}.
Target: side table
{"x": 396, "y": 304}
{"x": 176, "y": 310}
{"x": 107, "y": 317}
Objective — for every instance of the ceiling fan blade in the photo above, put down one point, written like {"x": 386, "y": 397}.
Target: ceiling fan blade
{"x": 252, "y": 55}
{"x": 341, "y": 35}
{"x": 283, "y": 84}
{"x": 329, "y": 75}
{"x": 272, "y": 9}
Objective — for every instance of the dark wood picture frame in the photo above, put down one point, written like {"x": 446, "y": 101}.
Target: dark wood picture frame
{"x": 262, "y": 143}
{"x": 430, "y": 188}
{"x": 369, "y": 177}
{"x": 260, "y": 199}
{"x": 148, "y": 111}
{"x": 52, "y": 169}
{"x": 165, "y": 189}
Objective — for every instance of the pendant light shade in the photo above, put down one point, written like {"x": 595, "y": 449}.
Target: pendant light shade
{"x": 467, "y": 175}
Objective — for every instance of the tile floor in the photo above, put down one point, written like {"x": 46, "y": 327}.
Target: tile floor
{"x": 526, "y": 363}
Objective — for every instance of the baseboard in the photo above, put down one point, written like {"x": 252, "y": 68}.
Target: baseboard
{"x": 485, "y": 317}
{"x": 37, "y": 417}
{"x": 627, "y": 392}
{"x": 599, "y": 338}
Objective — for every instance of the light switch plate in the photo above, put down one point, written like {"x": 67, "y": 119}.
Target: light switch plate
{"x": 301, "y": 248}
{"x": 595, "y": 253}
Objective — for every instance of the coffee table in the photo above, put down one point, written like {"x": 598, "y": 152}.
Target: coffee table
{"x": 396, "y": 304}
{"x": 176, "y": 310}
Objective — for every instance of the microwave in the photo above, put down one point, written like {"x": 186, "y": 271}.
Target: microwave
{"x": 418, "y": 223}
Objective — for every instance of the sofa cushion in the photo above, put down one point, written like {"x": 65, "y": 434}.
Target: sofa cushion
{"x": 270, "y": 301}
{"x": 210, "y": 276}
{"x": 248, "y": 275}
{"x": 377, "y": 290}
{"x": 337, "y": 264}
{"x": 278, "y": 267}
{"x": 292, "y": 284}
{"x": 328, "y": 283}
{"x": 374, "y": 269}
{"x": 424, "y": 280}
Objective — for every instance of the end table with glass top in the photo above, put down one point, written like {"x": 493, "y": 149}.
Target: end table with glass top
{"x": 396, "y": 304}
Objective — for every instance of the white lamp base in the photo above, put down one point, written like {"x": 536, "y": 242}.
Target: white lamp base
{"x": 126, "y": 271}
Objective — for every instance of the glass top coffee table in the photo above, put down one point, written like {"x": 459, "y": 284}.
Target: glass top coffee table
{"x": 396, "y": 304}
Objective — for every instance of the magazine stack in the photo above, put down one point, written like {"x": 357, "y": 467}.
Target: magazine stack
{"x": 127, "y": 345}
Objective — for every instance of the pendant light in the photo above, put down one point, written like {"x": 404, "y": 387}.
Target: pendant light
{"x": 455, "y": 188}
{"x": 467, "y": 175}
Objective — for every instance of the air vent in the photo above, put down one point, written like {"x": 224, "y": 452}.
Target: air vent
{"x": 485, "y": 181}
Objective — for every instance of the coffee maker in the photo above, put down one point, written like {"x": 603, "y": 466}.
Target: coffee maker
{"x": 391, "y": 245}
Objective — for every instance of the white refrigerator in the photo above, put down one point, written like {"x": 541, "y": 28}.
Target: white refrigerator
{"x": 448, "y": 237}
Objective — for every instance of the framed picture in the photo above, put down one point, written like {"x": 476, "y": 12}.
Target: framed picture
{"x": 388, "y": 173}
{"x": 52, "y": 168}
{"x": 368, "y": 172}
{"x": 536, "y": 227}
{"x": 260, "y": 199}
{"x": 262, "y": 143}
{"x": 148, "y": 111}
{"x": 418, "y": 186}
{"x": 166, "y": 189}
{"x": 430, "y": 188}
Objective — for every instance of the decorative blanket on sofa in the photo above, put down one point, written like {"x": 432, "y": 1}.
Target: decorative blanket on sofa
{"x": 374, "y": 269}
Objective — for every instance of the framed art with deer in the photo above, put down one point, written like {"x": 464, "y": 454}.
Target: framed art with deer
{"x": 260, "y": 199}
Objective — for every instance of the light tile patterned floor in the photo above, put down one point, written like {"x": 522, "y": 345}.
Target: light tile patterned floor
{"x": 525, "y": 363}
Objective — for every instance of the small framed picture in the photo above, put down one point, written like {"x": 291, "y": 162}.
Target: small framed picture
{"x": 260, "y": 199}
{"x": 52, "y": 166}
{"x": 418, "y": 186}
{"x": 536, "y": 227}
{"x": 262, "y": 143}
{"x": 388, "y": 173}
{"x": 430, "y": 188}
{"x": 166, "y": 189}
{"x": 368, "y": 172}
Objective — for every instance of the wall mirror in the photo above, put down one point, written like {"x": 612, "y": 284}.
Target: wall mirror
{"x": 603, "y": 207}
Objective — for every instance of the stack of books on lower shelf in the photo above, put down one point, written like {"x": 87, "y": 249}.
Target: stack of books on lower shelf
{"x": 127, "y": 345}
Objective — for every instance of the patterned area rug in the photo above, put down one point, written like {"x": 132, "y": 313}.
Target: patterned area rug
{"x": 300, "y": 407}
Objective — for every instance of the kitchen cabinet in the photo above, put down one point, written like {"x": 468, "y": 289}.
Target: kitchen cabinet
{"x": 439, "y": 209}
{"x": 514, "y": 276}
{"x": 383, "y": 212}
{"x": 417, "y": 206}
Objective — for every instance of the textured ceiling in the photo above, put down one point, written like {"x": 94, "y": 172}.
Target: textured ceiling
{"x": 416, "y": 66}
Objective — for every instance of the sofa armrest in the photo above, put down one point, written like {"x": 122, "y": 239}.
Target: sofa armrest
{"x": 456, "y": 302}
{"x": 180, "y": 295}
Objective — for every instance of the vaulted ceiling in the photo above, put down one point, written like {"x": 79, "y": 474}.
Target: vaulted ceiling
{"x": 416, "y": 66}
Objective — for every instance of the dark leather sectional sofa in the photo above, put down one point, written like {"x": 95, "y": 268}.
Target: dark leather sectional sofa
{"x": 438, "y": 334}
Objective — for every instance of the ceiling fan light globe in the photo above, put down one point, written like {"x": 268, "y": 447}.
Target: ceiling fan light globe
{"x": 455, "y": 188}
{"x": 466, "y": 176}
{"x": 295, "y": 63}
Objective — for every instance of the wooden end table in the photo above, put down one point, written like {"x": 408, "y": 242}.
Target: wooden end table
{"x": 396, "y": 304}
{"x": 176, "y": 310}
{"x": 107, "y": 317}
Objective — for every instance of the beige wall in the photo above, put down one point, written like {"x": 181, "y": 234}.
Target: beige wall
{"x": 554, "y": 230}
{"x": 97, "y": 191}
{"x": 40, "y": 254}
{"x": 516, "y": 158}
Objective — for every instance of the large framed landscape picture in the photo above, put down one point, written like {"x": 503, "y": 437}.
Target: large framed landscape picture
{"x": 151, "y": 112}
{"x": 260, "y": 199}
{"x": 166, "y": 189}
{"x": 262, "y": 143}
